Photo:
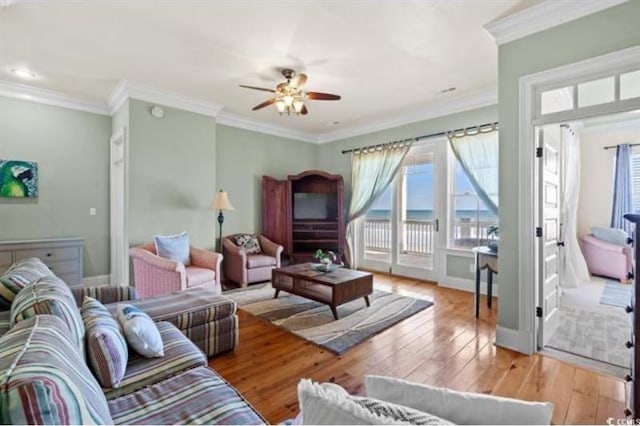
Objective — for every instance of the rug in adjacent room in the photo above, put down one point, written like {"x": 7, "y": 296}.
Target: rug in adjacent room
{"x": 594, "y": 334}
{"x": 313, "y": 321}
{"x": 616, "y": 294}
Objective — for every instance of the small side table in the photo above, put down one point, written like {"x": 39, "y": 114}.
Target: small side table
{"x": 485, "y": 259}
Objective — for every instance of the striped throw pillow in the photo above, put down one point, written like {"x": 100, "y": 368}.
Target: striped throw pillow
{"x": 49, "y": 295}
{"x": 18, "y": 276}
{"x": 106, "y": 347}
{"x": 43, "y": 379}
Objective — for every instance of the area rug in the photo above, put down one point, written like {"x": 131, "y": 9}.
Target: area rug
{"x": 313, "y": 321}
{"x": 594, "y": 334}
{"x": 616, "y": 294}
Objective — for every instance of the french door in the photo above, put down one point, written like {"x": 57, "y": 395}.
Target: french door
{"x": 400, "y": 233}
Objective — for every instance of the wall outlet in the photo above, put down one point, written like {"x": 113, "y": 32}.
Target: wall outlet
{"x": 92, "y": 211}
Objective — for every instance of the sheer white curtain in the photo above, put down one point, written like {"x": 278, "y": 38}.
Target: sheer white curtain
{"x": 575, "y": 268}
{"x": 372, "y": 171}
{"x": 478, "y": 153}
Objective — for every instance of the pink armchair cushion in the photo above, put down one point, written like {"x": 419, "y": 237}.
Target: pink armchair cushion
{"x": 199, "y": 276}
{"x": 260, "y": 260}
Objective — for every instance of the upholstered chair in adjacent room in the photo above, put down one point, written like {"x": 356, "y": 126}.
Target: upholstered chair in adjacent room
{"x": 247, "y": 264}
{"x": 154, "y": 275}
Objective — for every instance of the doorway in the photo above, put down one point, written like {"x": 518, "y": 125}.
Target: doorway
{"x": 400, "y": 232}
{"x": 584, "y": 287}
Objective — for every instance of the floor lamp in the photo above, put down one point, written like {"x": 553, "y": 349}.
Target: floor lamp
{"x": 221, "y": 203}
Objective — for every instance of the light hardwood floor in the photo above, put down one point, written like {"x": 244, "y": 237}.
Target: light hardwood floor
{"x": 443, "y": 345}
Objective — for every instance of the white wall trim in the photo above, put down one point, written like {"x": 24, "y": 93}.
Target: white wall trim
{"x": 436, "y": 109}
{"x": 129, "y": 89}
{"x": 234, "y": 120}
{"x": 529, "y": 85}
{"x": 544, "y": 15}
{"x": 24, "y": 92}
{"x": 467, "y": 285}
{"x": 513, "y": 339}
{"x": 97, "y": 281}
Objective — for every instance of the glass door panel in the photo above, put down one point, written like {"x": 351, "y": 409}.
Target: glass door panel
{"x": 417, "y": 212}
{"x": 377, "y": 229}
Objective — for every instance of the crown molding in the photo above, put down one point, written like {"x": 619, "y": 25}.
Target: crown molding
{"x": 436, "y": 109}
{"x": 230, "y": 119}
{"x": 542, "y": 16}
{"x": 129, "y": 89}
{"x": 24, "y": 92}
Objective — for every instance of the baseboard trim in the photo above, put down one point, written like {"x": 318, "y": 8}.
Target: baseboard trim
{"x": 516, "y": 340}
{"x": 97, "y": 280}
{"x": 465, "y": 285}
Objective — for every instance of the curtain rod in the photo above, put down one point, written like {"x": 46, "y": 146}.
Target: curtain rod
{"x": 615, "y": 146}
{"x": 418, "y": 138}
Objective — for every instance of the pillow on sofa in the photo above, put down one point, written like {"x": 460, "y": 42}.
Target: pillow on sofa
{"x": 140, "y": 331}
{"x": 459, "y": 407}
{"x": 43, "y": 379}
{"x": 173, "y": 247}
{"x": 106, "y": 346}
{"x": 249, "y": 243}
{"x": 49, "y": 295}
{"x": 18, "y": 276}
{"x": 615, "y": 236}
{"x": 329, "y": 404}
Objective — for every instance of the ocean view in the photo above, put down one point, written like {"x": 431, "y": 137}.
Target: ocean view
{"x": 485, "y": 215}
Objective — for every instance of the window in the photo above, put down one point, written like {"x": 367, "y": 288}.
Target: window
{"x": 469, "y": 216}
{"x": 630, "y": 85}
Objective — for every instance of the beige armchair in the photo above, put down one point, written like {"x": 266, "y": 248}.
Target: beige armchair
{"x": 154, "y": 275}
{"x": 243, "y": 268}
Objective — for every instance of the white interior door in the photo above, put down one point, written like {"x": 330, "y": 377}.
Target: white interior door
{"x": 549, "y": 193}
{"x": 118, "y": 188}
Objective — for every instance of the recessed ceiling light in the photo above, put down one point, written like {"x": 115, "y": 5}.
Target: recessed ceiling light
{"x": 23, "y": 73}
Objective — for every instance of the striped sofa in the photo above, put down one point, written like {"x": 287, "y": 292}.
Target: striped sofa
{"x": 45, "y": 379}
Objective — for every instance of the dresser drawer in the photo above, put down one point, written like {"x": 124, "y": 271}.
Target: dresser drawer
{"x": 64, "y": 267}
{"x": 49, "y": 254}
{"x": 6, "y": 259}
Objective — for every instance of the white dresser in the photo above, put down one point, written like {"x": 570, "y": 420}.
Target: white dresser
{"x": 62, "y": 255}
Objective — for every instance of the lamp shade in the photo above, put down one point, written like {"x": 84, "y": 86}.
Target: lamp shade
{"x": 221, "y": 201}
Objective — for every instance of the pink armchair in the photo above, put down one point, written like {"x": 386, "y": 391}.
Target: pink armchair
{"x": 606, "y": 259}
{"x": 243, "y": 268}
{"x": 154, "y": 275}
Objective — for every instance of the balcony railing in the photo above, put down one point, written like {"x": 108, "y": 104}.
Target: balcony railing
{"x": 417, "y": 235}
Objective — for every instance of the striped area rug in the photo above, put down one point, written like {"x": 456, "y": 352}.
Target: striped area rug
{"x": 616, "y": 294}
{"x": 313, "y": 321}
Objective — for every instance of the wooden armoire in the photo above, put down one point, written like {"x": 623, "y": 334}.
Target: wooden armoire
{"x": 304, "y": 213}
{"x": 633, "y": 309}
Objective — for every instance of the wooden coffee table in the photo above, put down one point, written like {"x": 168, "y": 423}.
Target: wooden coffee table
{"x": 332, "y": 288}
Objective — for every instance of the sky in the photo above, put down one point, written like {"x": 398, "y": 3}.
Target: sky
{"x": 420, "y": 190}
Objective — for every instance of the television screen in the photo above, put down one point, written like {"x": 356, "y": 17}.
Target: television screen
{"x": 313, "y": 206}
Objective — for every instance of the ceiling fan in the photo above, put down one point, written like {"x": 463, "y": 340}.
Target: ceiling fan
{"x": 289, "y": 97}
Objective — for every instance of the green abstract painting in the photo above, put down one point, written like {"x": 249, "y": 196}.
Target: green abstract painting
{"x": 18, "y": 179}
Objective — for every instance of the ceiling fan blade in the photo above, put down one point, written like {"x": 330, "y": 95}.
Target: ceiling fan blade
{"x": 322, "y": 96}
{"x": 257, "y": 88}
{"x": 298, "y": 80}
{"x": 264, "y": 104}
{"x": 304, "y": 110}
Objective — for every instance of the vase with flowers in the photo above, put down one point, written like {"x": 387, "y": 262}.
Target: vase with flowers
{"x": 326, "y": 259}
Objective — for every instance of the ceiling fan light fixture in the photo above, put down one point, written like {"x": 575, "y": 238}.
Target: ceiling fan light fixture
{"x": 282, "y": 107}
{"x": 288, "y": 100}
{"x": 297, "y": 105}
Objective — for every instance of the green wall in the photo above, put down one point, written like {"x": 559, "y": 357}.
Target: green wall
{"x": 72, "y": 152}
{"x": 242, "y": 158}
{"x": 607, "y": 31}
{"x": 172, "y": 177}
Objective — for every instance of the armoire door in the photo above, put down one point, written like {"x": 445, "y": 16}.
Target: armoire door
{"x": 275, "y": 210}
